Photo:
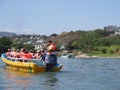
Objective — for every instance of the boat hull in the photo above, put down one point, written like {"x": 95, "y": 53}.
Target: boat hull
{"x": 27, "y": 66}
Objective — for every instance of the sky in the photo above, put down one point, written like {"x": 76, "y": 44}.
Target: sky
{"x": 46, "y": 17}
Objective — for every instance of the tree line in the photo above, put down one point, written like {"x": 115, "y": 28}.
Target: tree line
{"x": 6, "y": 43}
{"x": 96, "y": 41}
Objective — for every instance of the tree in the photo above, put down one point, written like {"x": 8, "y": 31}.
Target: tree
{"x": 21, "y": 45}
{"x": 17, "y": 45}
{"x": 5, "y": 43}
{"x": 85, "y": 42}
{"x": 28, "y": 46}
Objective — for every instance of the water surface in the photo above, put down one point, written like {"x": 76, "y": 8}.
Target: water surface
{"x": 76, "y": 74}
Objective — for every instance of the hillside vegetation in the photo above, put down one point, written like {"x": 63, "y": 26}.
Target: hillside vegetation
{"x": 95, "y": 42}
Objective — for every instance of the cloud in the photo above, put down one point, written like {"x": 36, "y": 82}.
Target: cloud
{"x": 22, "y": 31}
{"x": 26, "y": 31}
{"x": 7, "y": 29}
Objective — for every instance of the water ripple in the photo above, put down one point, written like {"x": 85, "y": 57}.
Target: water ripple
{"x": 77, "y": 74}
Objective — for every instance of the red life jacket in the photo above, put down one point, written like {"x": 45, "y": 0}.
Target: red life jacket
{"x": 27, "y": 56}
{"x": 52, "y": 47}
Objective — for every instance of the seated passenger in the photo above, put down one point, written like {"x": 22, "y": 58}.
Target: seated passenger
{"x": 22, "y": 52}
{"x": 13, "y": 51}
{"x": 43, "y": 55}
{"x": 27, "y": 55}
{"x": 8, "y": 53}
{"x": 17, "y": 54}
{"x": 37, "y": 55}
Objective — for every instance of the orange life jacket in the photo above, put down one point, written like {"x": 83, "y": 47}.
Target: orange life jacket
{"x": 52, "y": 47}
{"x": 27, "y": 56}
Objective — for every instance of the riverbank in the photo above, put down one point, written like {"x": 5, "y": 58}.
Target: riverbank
{"x": 94, "y": 56}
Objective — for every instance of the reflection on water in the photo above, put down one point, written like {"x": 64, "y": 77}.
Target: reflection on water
{"x": 27, "y": 81}
{"x": 77, "y": 74}
{"x": 14, "y": 79}
{"x": 50, "y": 80}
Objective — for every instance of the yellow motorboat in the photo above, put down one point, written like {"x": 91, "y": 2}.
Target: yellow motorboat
{"x": 34, "y": 65}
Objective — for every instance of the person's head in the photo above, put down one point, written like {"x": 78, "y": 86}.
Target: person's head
{"x": 9, "y": 50}
{"x": 26, "y": 51}
{"x": 38, "y": 51}
{"x": 31, "y": 51}
{"x": 23, "y": 50}
{"x": 49, "y": 42}
{"x": 18, "y": 50}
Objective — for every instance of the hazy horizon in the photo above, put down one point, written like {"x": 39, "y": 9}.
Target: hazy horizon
{"x": 45, "y": 17}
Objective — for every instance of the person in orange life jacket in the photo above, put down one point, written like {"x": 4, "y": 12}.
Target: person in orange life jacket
{"x": 27, "y": 55}
{"x": 51, "y": 56}
{"x": 51, "y": 48}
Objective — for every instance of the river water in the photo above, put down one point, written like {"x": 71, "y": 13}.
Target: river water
{"x": 76, "y": 74}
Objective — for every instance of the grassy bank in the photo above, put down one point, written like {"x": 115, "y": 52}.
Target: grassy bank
{"x": 103, "y": 54}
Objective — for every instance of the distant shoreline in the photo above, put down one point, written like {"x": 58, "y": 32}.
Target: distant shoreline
{"x": 86, "y": 56}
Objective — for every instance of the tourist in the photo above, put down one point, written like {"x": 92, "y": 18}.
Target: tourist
{"x": 8, "y": 53}
{"x": 17, "y": 54}
{"x": 51, "y": 56}
{"x": 37, "y": 54}
{"x": 27, "y": 55}
{"x": 22, "y": 52}
{"x": 43, "y": 55}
